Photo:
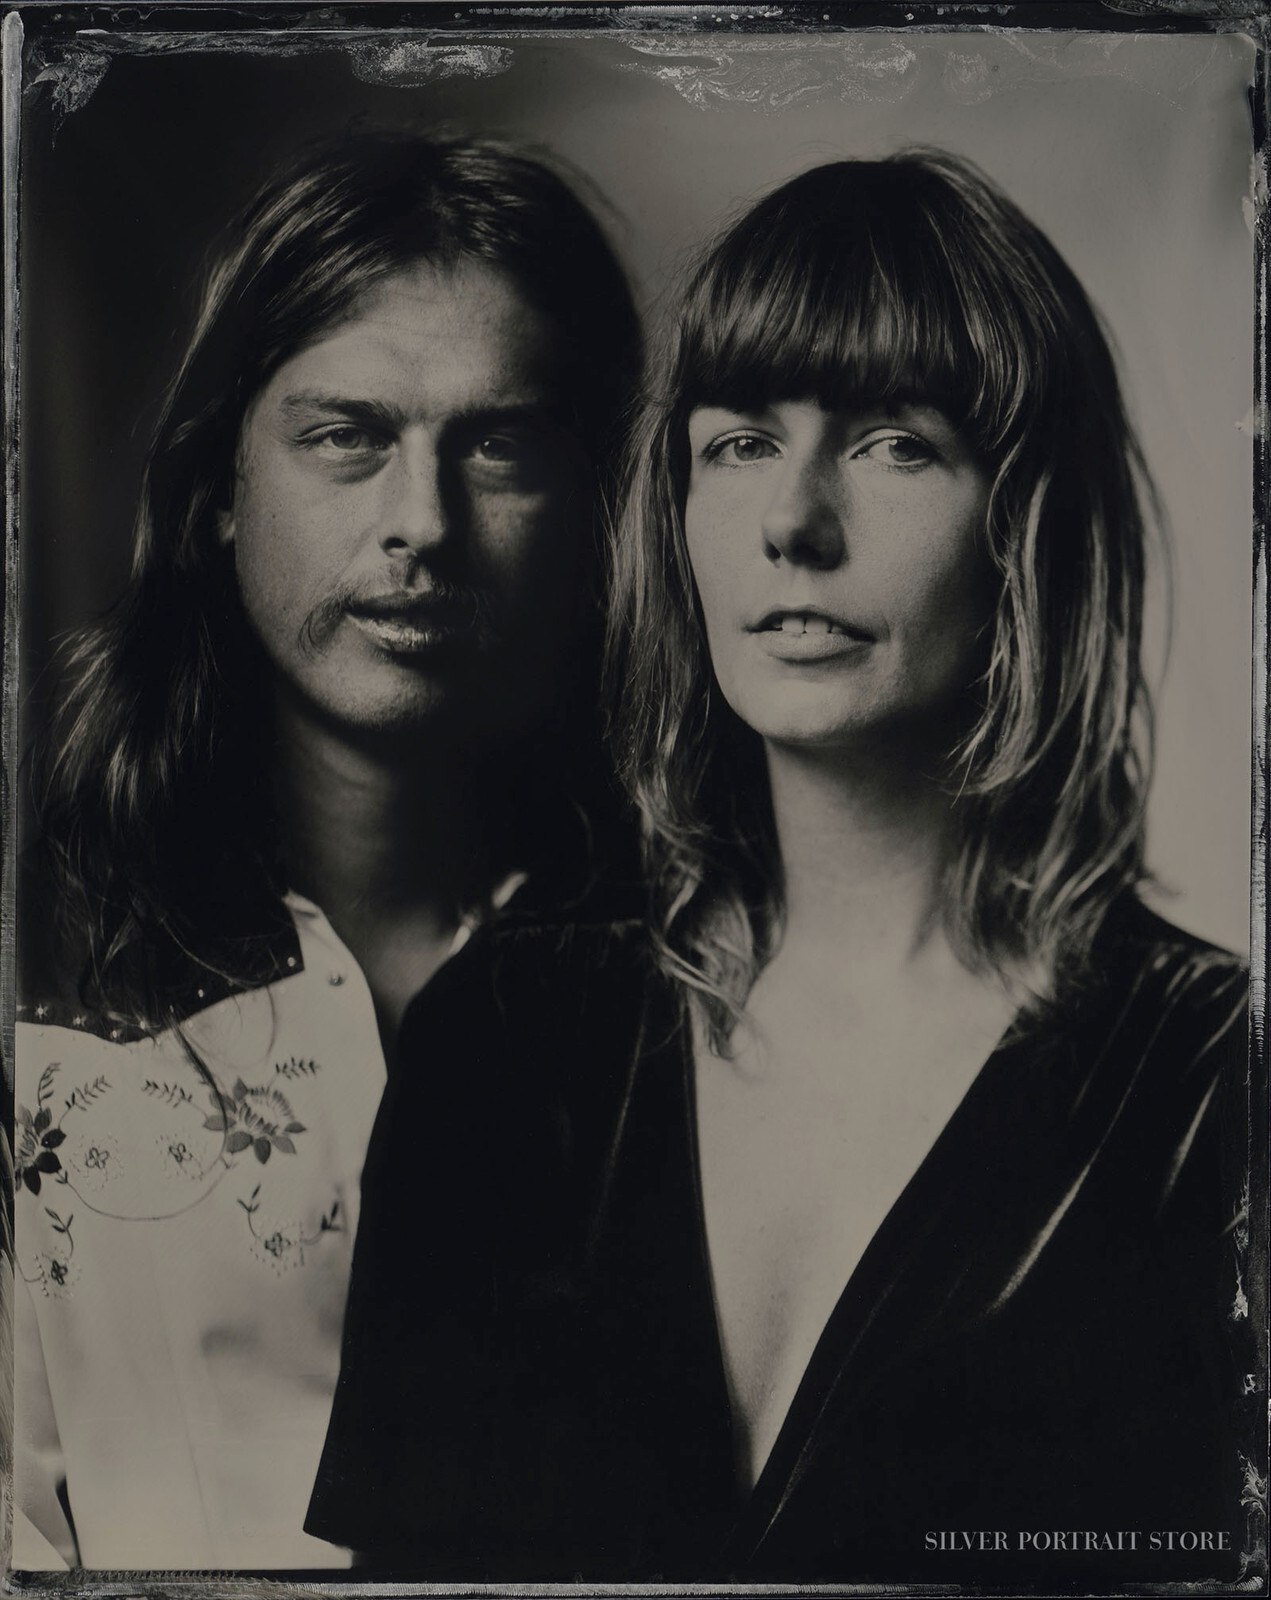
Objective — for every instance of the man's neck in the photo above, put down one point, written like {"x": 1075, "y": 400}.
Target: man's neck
{"x": 384, "y": 837}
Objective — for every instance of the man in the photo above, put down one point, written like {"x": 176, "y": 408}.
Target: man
{"x": 339, "y": 719}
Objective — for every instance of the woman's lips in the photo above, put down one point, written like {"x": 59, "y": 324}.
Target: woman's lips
{"x": 808, "y": 636}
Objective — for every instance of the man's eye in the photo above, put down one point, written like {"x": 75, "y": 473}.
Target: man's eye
{"x": 899, "y": 450}
{"x": 500, "y": 448}
{"x": 344, "y": 439}
{"x": 741, "y": 449}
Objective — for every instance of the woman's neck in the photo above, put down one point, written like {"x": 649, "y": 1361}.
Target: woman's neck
{"x": 864, "y": 846}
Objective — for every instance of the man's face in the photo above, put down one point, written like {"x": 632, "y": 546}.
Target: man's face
{"x": 407, "y": 512}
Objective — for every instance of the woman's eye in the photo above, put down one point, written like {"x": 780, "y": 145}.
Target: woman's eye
{"x": 899, "y": 450}
{"x": 741, "y": 450}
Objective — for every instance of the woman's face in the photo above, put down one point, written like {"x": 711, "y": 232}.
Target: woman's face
{"x": 840, "y": 562}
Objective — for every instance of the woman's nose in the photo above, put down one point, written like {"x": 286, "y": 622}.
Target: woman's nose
{"x": 415, "y": 514}
{"x": 804, "y": 520}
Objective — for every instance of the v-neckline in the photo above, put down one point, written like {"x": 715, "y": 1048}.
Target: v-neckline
{"x": 863, "y": 1296}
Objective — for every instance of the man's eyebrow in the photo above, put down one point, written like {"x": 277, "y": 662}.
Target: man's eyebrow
{"x": 525, "y": 413}
{"x": 308, "y": 404}
{"x": 305, "y": 405}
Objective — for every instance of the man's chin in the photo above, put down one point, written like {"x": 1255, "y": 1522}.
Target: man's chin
{"x": 431, "y": 716}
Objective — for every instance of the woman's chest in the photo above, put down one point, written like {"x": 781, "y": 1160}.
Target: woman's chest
{"x": 806, "y": 1140}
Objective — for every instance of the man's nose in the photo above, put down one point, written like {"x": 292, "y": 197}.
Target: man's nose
{"x": 415, "y": 513}
{"x": 805, "y": 520}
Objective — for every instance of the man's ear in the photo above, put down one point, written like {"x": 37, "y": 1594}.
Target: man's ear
{"x": 225, "y": 526}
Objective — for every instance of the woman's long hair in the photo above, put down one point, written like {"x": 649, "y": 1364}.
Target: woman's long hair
{"x": 153, "y": 789}
{"x": 911, "y": 279}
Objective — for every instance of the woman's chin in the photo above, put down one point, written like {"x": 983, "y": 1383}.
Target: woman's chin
{"x": 883, "y": 738}
{"x": 885, "y": 726}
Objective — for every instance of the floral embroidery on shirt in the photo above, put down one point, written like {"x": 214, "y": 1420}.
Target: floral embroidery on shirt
{"x": 286, "y": 1246}
{"x": 294, "y": 1067}
{"x": 243, "y": 1118}
{"x": 100, "y": 1152}
{"x": 39, "y": 1136}
{"x": 84, "y": 1096}
{"x": 171, "y": 1094}
{"x": 53, "y": 1267}
{"x": 37, "y": 1146}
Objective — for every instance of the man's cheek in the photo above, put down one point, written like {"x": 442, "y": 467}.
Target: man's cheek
{"x": 530, "y": 567}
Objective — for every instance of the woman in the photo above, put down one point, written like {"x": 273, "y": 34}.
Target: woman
{"x": 875, "y": 1216}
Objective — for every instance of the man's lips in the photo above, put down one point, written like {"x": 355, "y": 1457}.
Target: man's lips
{"x": 405, "y": 621}
{"x": 406, "y": 624}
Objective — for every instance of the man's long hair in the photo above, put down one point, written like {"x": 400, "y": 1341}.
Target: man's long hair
{"x": 911, "y": 279}
{"x": 153, "y": 790}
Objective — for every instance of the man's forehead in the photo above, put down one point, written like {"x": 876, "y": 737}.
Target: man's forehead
{"x": 439, "y": 333}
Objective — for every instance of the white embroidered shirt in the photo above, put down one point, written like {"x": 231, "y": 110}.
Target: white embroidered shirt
{"x": 186, "y": 1206}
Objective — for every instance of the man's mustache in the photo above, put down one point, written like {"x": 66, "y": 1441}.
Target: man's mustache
{"x": 459, "y": 608}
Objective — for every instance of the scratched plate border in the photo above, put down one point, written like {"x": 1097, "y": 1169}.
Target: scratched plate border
{"x": 64, "y": 52}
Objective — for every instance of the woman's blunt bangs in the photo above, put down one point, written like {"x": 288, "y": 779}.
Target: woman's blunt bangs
{"x": 867, "y": 283}
{"x": 819, "y": 295}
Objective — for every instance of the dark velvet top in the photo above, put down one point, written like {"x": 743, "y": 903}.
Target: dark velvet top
{"x": 1048, "y": 1336}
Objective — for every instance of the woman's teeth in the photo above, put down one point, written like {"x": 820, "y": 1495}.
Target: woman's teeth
{"x": 805, "y": 624}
